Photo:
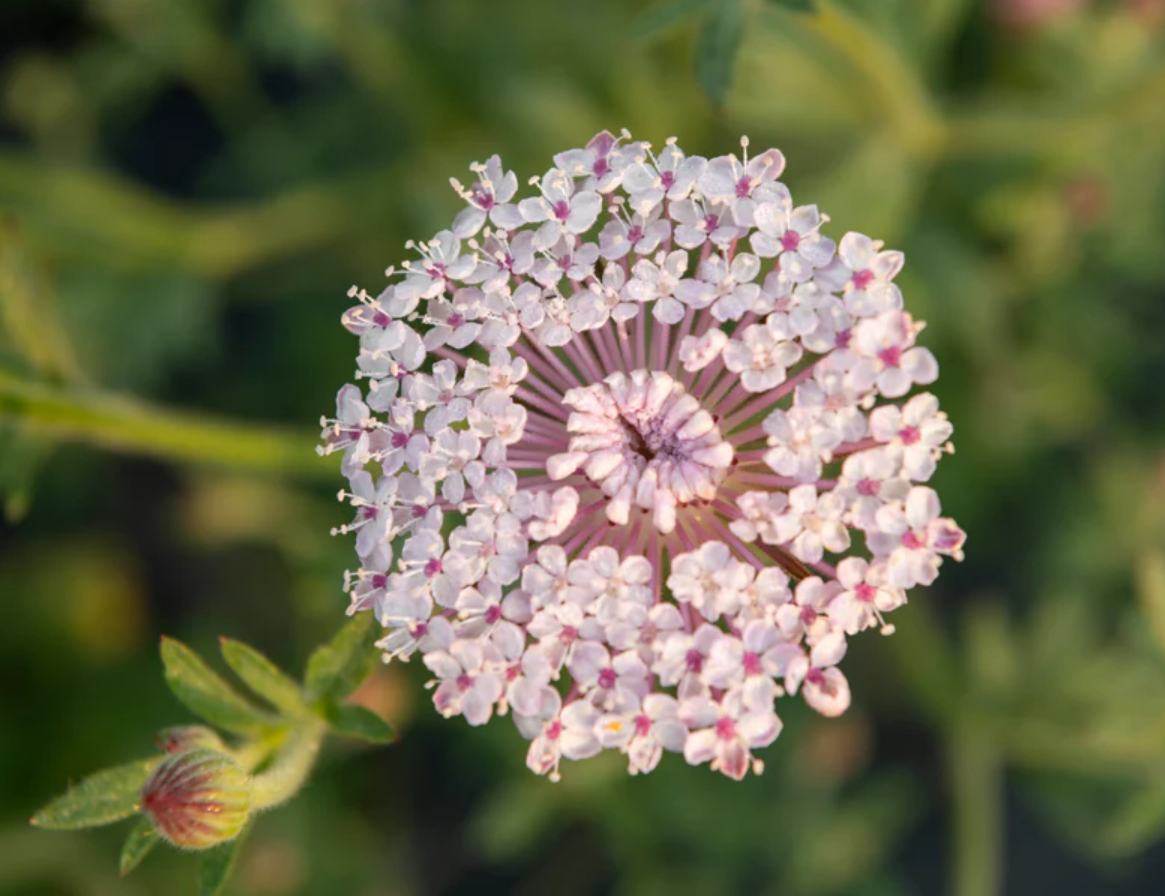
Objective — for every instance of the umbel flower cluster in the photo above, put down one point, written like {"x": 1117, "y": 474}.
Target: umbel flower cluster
{"x": 633, "y": 456}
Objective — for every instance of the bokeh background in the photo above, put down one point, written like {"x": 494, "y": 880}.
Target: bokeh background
{"x": 188, "y": 188}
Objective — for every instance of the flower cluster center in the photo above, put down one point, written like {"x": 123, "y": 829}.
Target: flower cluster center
{"x": 646, "y": 442}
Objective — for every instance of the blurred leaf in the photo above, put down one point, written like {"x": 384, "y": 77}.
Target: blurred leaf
{"x": 207, "y": 695}
{"x": 337, "y": 669}
{"x": 1138, "y": 824}
{"x": 21, "y": 456}
{"x": 795, "y": 5}
{"x": 138, "y": 844}
{"x": 263, "y": 677}
{"x": 360, "y": 722}
{"x": 215, "y": 865}
{"x": 102, "y": 798}
{"x": 659, "y": 18}
{"x": 716, "y": 51}
{"x": 29, "y": 311}
{"x": 1151, "y": 591}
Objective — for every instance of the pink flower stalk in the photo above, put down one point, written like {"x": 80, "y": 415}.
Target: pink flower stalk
{"x": 636, "y": 454}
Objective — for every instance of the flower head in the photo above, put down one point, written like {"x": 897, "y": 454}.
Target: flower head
{"x": 633, "y": 455}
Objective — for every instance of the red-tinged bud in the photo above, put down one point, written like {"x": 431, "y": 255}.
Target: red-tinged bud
{"x": 197, "y": 798}
{"x": 187, "y": 737}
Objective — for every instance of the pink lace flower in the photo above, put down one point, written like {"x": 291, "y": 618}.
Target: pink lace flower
{"x": 630, "y": 458}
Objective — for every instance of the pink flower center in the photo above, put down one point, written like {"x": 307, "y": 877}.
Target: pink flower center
{"x": 419, "y": 511}
{"x": 456, "y": 320}
{"x": 841, "y": 340}
{"x": 743, "y": 188}
{"x": 512, "y": 672}
{"x": 601, "y": 167}
{"x": 909, "y": 435}
{"x": 400, "y": 439}
{"x": 642, "y": 726}
{"x": 912, "y": 541}
{"x": 667, "y": 179}
{"x": 562, "y": 209}
{"x": 635, "y": 234}
{"x": 868, "y": 487}
{"x": 694, "y": 660}
{"x": 380, "y": 580}
{"x": 808, "y": 615}
{"x": 815, "y": 677}
{"x": 432, "y": 568}
{"x": 891, "y": 356}
{"x": 369, "y": 513}
{"x": 862, "y": 279}
{"x": 568, "y": 634}
{"x": 464, "y": 681}
{"x": 607, "y": 678}
{"x": 725, "y": 728}
{"x": 790, "y": 241}
{"x": 419, "y": 630}
{"x": 554, "y": 730}
{"x": 752, "y": 664}
{"x": 711, "y": 222}
{"x": 865, "y": 592}
{"x": 381, "y": 319}
{"x": 493, "y": 614}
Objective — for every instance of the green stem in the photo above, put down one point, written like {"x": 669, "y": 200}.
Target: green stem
{"x": 976, "y": 769}
{"x": 293, "y": 763}
{"x": 122, "y": 424}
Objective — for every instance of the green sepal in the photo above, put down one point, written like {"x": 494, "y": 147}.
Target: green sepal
{"x": 103, "y": 798}
{"x": 360, "y": 722}
{"x": 263, "y": 677}
{"x": 335, "y": 670}
{"x": 205, "y": 694}
{"x": 138, "y": 844}
{"x": 215, "y": 865}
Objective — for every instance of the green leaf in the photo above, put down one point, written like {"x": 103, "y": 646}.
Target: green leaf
{"x": 1139, "y": 824}
{"x": 337, "y": 669}
{"x": 795, "y": 5}
{"x": 215, "y": 865}
{"x": 716, "y": 51}
{"x": 137, "y": 846}
{"x": 664, "y": 16}
{"x": 103, "y": 798}
{"x": 263, "y": 677}
{"x": 207, "y": 695}
{"x": 360, "y": 722}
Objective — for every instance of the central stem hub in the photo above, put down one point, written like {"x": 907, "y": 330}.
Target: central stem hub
{"x": 645, "y": 442}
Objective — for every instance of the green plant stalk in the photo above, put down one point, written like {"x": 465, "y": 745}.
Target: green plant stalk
{"x": 133, "y": 427}
{"x": 976, "y": 769}
{"x": 292, "y": 766}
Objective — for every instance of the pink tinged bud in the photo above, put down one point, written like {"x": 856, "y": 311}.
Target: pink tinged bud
{"x": 187, "y": 737}
{"x": 197, "y": 798}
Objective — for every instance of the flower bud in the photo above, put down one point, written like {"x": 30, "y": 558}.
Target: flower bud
{"x": 197, "y": 798}
{"x": 187, "y": 737}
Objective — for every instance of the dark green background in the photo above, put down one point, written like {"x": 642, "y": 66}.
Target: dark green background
{"x": 188, "y": 188}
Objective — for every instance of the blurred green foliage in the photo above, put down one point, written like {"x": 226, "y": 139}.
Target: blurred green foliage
{"x": 187, "y": 188}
